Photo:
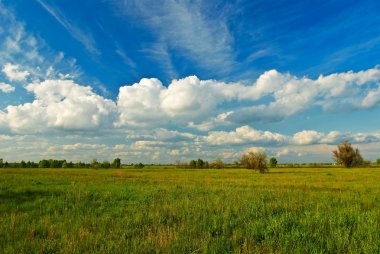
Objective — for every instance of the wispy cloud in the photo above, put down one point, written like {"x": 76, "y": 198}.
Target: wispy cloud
{"x": 187, "y": 29}
{"x": 84, "y": 37}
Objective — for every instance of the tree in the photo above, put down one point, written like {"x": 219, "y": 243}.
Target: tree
{"x": 192, "y": 164}
{"x": 378, "y": 161}
{"x": 273, "y": 162}
{"x": 43, "y": 164}
{"x": 347, "y": 156}
{"x": 139, "y": 165}
{"x": 1, "y": 163}
{"x": 116, "y": 163}
{"x": 106, "y": 164}
{"x": 199, "y": 163}
{"x": 217, "y": 163}
{"x": 94, "y": 163}
{"x": 23, "y": 164}
{"x": 255, "y": 160}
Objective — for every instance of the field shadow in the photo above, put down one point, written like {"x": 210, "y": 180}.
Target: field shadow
{"x": 25, "y": 195}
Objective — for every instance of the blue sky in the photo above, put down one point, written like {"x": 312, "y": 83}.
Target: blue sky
{"x": 174, "y": 80}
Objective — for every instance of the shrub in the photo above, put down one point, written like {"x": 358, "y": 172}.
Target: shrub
{"x": 255, "y": 160}
{"x": 116, "y": 163}
{"x": 217, "y": 163}
{"x": 347, "y": 156}
{"x": 273, "y": 162}
{"x": 139, "y": 165}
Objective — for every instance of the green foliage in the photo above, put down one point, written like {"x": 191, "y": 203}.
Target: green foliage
{"x": 193, "y": 164}
{"x": 217, "y": 164}
{"x": 200, "y": 163}
{"x": 347, "y": 156}
{"x": 94, "y": 163}
{"x": 378, "y": 161}
{"x": 273, "y": 162}
{"x": 139, "y": 165}
{"x": 313, "y": 210}
{"x": 255, "y": 160}
{"x": 43, "y": 164}
{"x": 116, "y": 163}
{"x": 106, "y": 164}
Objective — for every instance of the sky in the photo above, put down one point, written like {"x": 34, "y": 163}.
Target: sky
{"x": 173, "y": 80}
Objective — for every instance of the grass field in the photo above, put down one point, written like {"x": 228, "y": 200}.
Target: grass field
{"x": 163, "y": 209}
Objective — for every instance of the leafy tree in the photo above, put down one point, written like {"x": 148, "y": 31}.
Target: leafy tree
{"x": 106, "y": 164}
{"x": 94, "y": 163}
{"x": 347, "y": 156}
{"x": 378, "y": 161}
{"x": 255, "y": 160}
{"x": 206, "y": 165}
{"x": 273, "y": 162}
{"x": 116, "y": 163}
{"x": 23, "y": 164}
{"x": 139, "y": 165}
{"x": 200, "y": 163}
{"x": 43, "y": 164}
{"x": 192, "y": 164}
{"x": 217, "y": 163}
{"x": 1, "y": 163}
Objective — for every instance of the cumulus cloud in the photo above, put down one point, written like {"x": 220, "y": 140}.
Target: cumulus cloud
{"x": 244, "y": 135}
{"x": 61, "y": 104}
{"x": 248, "y": 135}
{"x": 13, "y": 73}
{"x": 307, "y": 137}
{"x": 159, "y": 121}
{"x": 292, "y": 95}
{"x": 6, "y": 88}
{"x": 274, "y": 96}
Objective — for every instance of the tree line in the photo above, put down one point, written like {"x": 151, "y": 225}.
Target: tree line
{"x": 345, "y": 155}
{"x": 51, "y": 163}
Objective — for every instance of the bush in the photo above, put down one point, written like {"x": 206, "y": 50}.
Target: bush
{"x": 217, "y": 163}
{"x": 273, "y": 162}
{"x": 116, "y": 163}
{"x": 255, "y": 160}
{"x": 106, "y": 164}
{"x": 347, "y": 156}
{"x": 140, "y": 165}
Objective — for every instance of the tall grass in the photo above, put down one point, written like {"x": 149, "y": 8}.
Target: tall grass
{"x": 159, "y": 209}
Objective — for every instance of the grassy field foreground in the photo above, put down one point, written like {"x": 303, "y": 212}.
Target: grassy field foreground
{"x": 189, "y": 211}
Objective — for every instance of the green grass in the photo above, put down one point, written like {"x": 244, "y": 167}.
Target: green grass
{"x": 168, "y": 210}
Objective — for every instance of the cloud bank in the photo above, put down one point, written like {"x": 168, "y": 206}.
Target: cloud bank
{"x": 189, "y": 116}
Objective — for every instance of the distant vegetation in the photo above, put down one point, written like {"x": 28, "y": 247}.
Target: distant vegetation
{"x": 61, "y": 164}
{"x": 345, "y": 155}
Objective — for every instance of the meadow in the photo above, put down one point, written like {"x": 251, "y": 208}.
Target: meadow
{"x": 169, "y": 210}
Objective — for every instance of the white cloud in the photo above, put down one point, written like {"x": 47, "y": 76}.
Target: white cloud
{"x": 61, "y": 104}
{"x": 13, "y": 73}
{"x": 6, "y": 88}
{"x": 282, "y": 152}
{"x": 244, "y": 135}
{"x": 187, "y": 28}
{"x": 24, "y": 55}
{"x": 248, "y": 135}
{"x": 307, "y": 137}
{"x": 201, "y": 104}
